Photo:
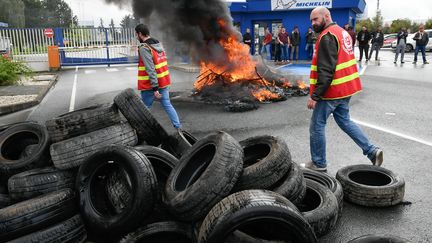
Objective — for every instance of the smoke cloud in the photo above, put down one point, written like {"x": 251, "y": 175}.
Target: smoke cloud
{"x": 195, "y": 23}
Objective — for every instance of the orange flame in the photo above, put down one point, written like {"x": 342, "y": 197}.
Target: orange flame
{"x": 263, "y": 95}
{"x": 301, "y": 84}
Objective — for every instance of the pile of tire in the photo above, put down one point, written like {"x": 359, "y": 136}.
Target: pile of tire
{"x": 111, "y": 173}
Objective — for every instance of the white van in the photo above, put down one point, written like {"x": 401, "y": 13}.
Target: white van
{"x": 411, "y": 44}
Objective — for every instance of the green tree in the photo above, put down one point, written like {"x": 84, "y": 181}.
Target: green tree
{"x": 377, "y": 20}
{"x": 398, "y": 24}
{"x": 428, "y": 24}
{"x": 58, "y": 13}
{"x": 128, "y": 21}
{"x": 13, "y": 13}
{"x": 111, "y": 25}
{"x": 365, "y": 22}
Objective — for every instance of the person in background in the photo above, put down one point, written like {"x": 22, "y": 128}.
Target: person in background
{"x": 266, "y": 45}
{"x": 351, "y": 32}
{"x": 363, "y": 38}
{"x": 311, "y": 38}
{"x": 295, "y": 43}
{"x": 284, "y": 42}
{"x": 278, "y": 49}
{"x": 377, "y": 42}
{"x": 422, "y": 39}
{"x": 247, "y": 39}
{"x": 401, "y": 44}
{"x": 153, "y": 74}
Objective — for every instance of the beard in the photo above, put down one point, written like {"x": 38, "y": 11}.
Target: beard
{"x": 319, "y": 28}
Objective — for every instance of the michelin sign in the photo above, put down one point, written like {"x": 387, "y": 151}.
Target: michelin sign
{"x": 299, "y": 4}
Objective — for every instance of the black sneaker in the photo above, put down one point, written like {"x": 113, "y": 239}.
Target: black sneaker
{"x": 394, "y": 62}
{"x": 402, "y": 62}
{"x": 415, "y": 62}
{"x": 378, "y": 157}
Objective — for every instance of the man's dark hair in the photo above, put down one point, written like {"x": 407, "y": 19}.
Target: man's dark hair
{"x": 143, "y": 29}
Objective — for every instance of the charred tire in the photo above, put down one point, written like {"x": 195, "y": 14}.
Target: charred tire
{"x": 266, "y": 160}
{"x": 371, "y": 186}
{"x": 328, "y": 181}
{"x": 205, "y": 175}
{"x": 72, "y": 152}
{"x": 178, "y": 143}
{"x": 140, "y": 117}
{"x": 36, "y": 182}
{"x": 82, "y": 121}
{"x": 161, "y": 232}
{"x": 259, "y": 213}
{"x": 69, "y": 231}
{"x": 5, "y": 200}
{"x": 292, "y": 185}
{"x": 36, "y": 214}
{"x": 379, "y": 239}
{"x": 13, "y": 143}
{"x": 319, "y": 207}
{"x": 95, "y": 204}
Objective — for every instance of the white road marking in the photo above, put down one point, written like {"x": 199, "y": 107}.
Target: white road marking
{"x": 72, "y": 100}
{"x": 89, "y": 71}
{"x": 112, "y": 70}
{"x": 363, "y": 70}
{"x": 398, "y": 134}
{"x": 390, "y": 114}
{"x": 132, "y": 68}
{"x": 286, "y": 65}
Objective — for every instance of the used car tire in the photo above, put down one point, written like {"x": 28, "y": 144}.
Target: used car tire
{"x": 261, "y": 214}
{"x": 32, "y": 183}
{"x": 79, "y": 122}
{"x": 72, "y": 152}
{"x": 177, "y": 143}
{"x": 371, "y": 186}
{"x": 292, "y": 185}
{"x": 140, "y": 117}
{"x": 13, "y": 143}
{"x": 95, "y": 206}
{"x": 36, "y": 214}
{"x": 5, "y": 200}
{"x": 379, "y": 239}
{"x": 266, "y": 160}
{"x": 69, "y": 231}
{"x": 205, "y": 175}
{"x": 319, "y": 207}
{"x": 161, "y": 232}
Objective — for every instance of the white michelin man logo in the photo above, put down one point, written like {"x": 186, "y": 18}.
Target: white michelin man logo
{"x": 347, "y": 43}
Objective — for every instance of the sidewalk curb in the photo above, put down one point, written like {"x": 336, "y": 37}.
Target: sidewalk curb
{"x": 22, "y": 106}
{"x": 186, "y": 68}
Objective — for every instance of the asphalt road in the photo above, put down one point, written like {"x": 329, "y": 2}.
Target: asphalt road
{"x": 393, "y": 110}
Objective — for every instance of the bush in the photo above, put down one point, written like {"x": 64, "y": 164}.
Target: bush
{"x": 10, "y": 71}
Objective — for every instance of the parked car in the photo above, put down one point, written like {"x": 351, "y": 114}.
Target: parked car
{"x": 388, "y": 39}
{"x": 411, "y": 44}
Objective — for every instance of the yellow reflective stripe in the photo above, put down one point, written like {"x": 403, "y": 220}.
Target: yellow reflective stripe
{"x": 143, "y": 78}
{"x": 339, "y": 80}
{"x": 141, "y": 68}
{"x": 312, "y": 81}
{"x": 161, "y": 75}
{"x": 161, "y": 64}
{"x": 345, "y": 64}
{"x": 314, "y": 68}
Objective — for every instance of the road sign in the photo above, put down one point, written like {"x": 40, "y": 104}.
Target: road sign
{"x": 49, "y": 33}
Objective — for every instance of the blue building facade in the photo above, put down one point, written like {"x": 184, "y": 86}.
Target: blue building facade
{"x": 259, "y": 14}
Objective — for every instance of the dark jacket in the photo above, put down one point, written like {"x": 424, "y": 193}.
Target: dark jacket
{"x": 378, "y": 37}
{"x": 402, "y": 35}
{"x": 327, "y": 55}
{"x": 295, "y": 38}
{"x": 353, "y": 36}
{"x": 247, "y": 38}
{"x": 363, "y": 41}
{"x": 311, "y": 37}
{"x": 147, "y": 58}
{"x": 423, "y": 41}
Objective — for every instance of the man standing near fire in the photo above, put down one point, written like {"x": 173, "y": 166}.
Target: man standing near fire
{"x": 153, "y": 75}
{"x": 334, "y": 79}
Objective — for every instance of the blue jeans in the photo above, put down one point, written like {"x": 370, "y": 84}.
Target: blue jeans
{"x": 284, "y": 52}
{"x": 310, "y": 49}
{"x": 266, "y": 48}
{"x": 340, "y": 110}
{"x": 423, "y": 51}
{"x": 147, "y": 97}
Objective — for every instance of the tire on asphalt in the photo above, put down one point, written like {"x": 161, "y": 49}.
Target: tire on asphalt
{"x": 205, "y": 175}
{"x": 14, "y": 158}
{"x": 95, "y": 205}
{"x": 5, "y": 200}
{"x": 319, "y": 207}
{"x": 68, "y": 231}
{"x": 371, "y": 186}
{"x": 140, "y": 117}
{"x": 379, "y": 239}
{"x": 179, "y": 142}
{"x": 36, "y": 214}
{"x": 292, "y": 185}
{"x": 72, "y": 152}
{"x": 329, "y": 181}
{"x": 79, "y": 122}
{"x": 266, "y": 160}
{"x": 32, "y": 183}
{"x": 161, "y": 232}
{"x": 261, "y": 214}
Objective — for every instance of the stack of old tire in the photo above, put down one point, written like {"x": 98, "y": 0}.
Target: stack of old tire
{"x": 112, "y": 173}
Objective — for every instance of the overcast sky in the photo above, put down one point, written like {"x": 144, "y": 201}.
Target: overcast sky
{"x": 391, "y": 9}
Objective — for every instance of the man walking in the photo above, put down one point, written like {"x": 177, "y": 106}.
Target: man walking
{"x": 377, "y": 42}
{"x": 153, "y": 75}
{"x": 334, "y": 79}
{"x": 310, "y": 42}
{"x": 247, "y": 39}
{"x": 266, "y": 45}
{"x": 363, "y": 38}
{"x": 295, "y": 43}
{"x": 401, "y": 44}
{"x": 422, "y": 39}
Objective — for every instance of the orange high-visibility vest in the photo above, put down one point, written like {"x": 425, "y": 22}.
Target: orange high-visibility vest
{"x": 161, "y": 67}
{"x": 346, "y": 79}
